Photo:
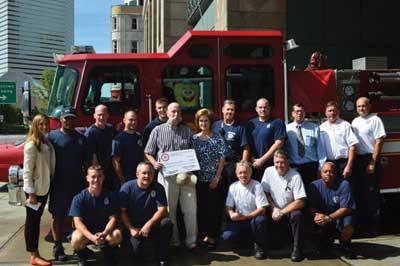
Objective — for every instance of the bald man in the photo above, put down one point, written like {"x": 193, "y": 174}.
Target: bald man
{"x": 265, "y": 134}
{"x": 99, "y": 137}
{"x": 370, "y": 132}
{"x": 174, "y": 136}
{"x": 332, "y": 206}
{"x": 127, "y": 149}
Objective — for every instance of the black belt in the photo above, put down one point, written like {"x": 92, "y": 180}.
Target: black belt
{"x": 366, "y": 155}
{"x": 341, "y": 160}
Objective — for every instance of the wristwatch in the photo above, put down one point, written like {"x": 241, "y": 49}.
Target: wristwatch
{"x": 329, "y": 219}
{"x": 281, "y": 214}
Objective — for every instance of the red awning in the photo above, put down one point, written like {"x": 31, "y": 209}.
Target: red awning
{"x": 312, "y": 88}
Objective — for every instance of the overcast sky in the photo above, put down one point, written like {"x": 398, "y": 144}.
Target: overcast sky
{"x": 92, "y": 23}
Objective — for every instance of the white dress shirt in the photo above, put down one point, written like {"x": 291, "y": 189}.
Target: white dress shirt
{"x": 246, "y": 198}
{"x": 368, "y": 129}
{"x": 283, "y": 189}
{"x": 338, "y": 138}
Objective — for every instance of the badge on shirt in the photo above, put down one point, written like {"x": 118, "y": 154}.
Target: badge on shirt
{"x": 268, "y": 125}
{"x": 335, "y": 199}
{"x": 230, "y": 136}
{"x": 140, "y": 143}
{"x": 106, "y": 201}
{"x": 153, "y": 193}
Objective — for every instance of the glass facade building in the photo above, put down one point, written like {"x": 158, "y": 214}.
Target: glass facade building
{"x": 31, "y": 31}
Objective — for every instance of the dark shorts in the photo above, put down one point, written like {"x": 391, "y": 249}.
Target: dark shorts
{"x": 343, "y": 222}
{"x": 60, "y": 203}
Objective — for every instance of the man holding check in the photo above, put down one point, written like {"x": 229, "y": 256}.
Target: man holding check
{"x": 174, "y": 136}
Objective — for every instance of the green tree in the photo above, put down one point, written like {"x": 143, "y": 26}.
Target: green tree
{"x": 42, "y": 93}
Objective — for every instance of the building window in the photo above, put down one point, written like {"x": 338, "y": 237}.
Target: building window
{"x": 246, "y": 84}
{"x": 190, "y": 86}
{"x": 115, "y": 46}
{"x": 134, "y": 24}
{"x": 114, "y": 23}
{"x": 117, "y": 87}
{"x": 134, "y": 47}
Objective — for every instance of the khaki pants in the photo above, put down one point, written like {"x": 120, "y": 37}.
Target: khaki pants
{"x": 186, "y": 195}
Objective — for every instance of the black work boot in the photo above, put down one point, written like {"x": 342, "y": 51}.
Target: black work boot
{"x": 82, "y": 257}
{"x": 259, "y": 252}
{"x": 297, "y": 254}
{"x": 58, "y": 252}
{"x": 348, "y": 250}
{"x": 109, "y": 255}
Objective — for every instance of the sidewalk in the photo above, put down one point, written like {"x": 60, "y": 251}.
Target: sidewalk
{"x": 382, "y": 250}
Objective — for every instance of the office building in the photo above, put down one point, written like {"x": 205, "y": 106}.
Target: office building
{"x": 165, "y": 21}
{"x": 343, "y": 30}
{"x": 31, "y": 31}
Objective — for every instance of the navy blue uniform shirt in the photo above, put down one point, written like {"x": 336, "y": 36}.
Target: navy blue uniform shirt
{"x": 148, "y": 128}
{"x": 234, "y": 135}
{"x": 100, "y": 143}
{"x": 71, "y": 155}
{"x": 327, "y": 200}
{"x": 130, "y": 149}
{"x": 262, "y": 135}
{"x": 95, "y": 211}
{"x": 141, "y": 204}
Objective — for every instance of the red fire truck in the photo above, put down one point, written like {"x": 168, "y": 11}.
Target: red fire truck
{"x": 201, "y": 70}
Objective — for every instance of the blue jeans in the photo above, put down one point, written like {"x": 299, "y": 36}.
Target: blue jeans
{"x": 255, "y": 228}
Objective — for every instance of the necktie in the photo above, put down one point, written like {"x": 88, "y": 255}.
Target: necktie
{"x": 300, "y": 142}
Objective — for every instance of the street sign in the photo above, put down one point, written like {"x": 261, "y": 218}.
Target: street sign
{"x": 8, "y": 92}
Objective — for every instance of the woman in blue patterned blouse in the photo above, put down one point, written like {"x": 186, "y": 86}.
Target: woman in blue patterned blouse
{"x": 211, "y": 151}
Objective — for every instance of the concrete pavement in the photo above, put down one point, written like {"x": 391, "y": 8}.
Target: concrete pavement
{"x": 384, "y": 249}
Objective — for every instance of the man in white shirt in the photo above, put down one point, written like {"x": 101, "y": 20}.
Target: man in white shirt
{"x": 370, "y": 132}
{"x": 339, "y": 140}
{"x": 286, "y": 196}
{"x": 306, "y": 150}
{"x": 245, "y": 206}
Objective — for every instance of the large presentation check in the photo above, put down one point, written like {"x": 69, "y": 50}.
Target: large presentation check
{"x": 176, "y": 162}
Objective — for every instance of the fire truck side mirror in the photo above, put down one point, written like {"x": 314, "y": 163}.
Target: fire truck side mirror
{"x": 26, "y": 103}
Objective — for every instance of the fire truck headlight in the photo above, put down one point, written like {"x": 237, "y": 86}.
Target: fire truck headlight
{"x": 348, "y": 90}
{"x": 13, "y": 172}
{"x": 348, "y": 106}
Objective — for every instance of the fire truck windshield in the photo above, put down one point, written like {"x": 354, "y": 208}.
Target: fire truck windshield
{"x": 62, "y": 91}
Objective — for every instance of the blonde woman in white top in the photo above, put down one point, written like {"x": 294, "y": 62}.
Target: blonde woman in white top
{"x": 39, "y": 163}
